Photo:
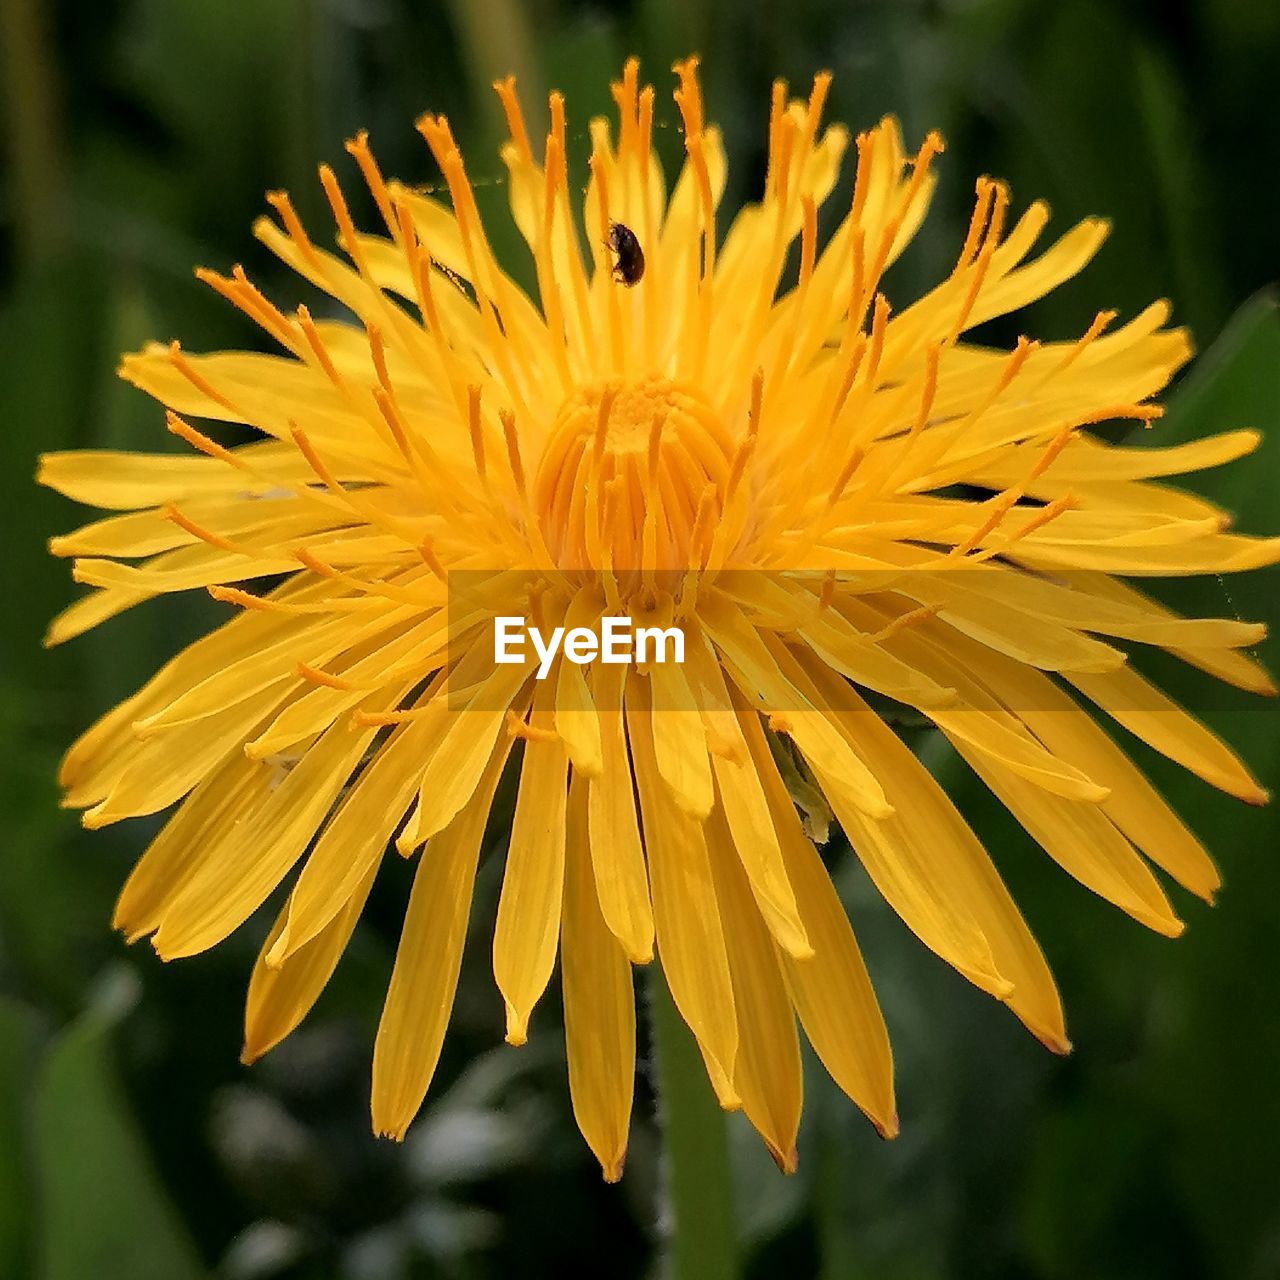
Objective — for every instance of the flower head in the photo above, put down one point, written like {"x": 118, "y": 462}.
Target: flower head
{"x": 828, "y": 495}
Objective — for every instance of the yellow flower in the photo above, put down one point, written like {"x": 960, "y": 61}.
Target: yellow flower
{"x": 681, "y": 428}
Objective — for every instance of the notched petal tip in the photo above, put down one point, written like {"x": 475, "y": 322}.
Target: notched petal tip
{"x": 395, "y": 1133}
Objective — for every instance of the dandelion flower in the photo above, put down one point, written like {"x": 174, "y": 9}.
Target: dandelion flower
{"x": 840, "y": 501}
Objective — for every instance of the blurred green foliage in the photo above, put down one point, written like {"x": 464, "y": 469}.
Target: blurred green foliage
{"x": 140, "y": 136}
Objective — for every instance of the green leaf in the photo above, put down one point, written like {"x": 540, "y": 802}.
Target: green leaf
{"x": 103, "y": 1211}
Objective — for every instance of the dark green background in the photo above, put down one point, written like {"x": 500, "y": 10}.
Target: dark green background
{"x": 140, "y": 138}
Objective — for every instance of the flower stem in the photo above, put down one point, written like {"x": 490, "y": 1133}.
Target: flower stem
{"x": 701, "y": 1242}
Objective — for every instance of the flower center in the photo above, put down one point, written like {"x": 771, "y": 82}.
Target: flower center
{"x": 633, "y": 476}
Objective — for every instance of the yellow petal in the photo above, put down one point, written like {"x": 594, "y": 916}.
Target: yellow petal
{"x": 577, "y": 720}
{"x": 1081, "y": 839}
{"x": 1063, "y": 260}
{"x": 164, "y": 768}
{"x": 679, "y": 742}
{"x": 528, "y": 924}
{"x": 1155, "y": 718}
{"x": 280, "y": 996}
{"x": 599, "y": 1004}
{"x": 754, "y": 669}
{"x": 1235, "y": 668}
{"x": 425, "y": 977}
{"x": 123, "y": 481}
{"x": 454, "y": 770}
{"x": 831, "y": 991}
{"x": 766, "y": 1073}
{"x": 617, "y": 858}
{"x": 1086, "y": 461}
{"x": 1133, "y": 804}
{"x": 354, "y": 840}
{"x": 742, "y": 800}
{"x": 943, "y": 860}
{"x": 690, "y": 935}
{"x": 225, "y": 798}
{"x": 247, "y": 861}
{"x": 856, "y": 656}
{"x": 977, "y": 721}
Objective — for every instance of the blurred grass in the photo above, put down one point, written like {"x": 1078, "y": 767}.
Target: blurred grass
{"x": 140, "y": 136}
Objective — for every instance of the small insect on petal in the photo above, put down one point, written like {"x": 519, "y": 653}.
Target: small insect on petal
{"x": 628, "y": 265}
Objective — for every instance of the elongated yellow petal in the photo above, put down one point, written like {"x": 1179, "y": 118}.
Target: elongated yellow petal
{"x": 599, "y": 1004}
{"x": 1236, "y": 668}
{"x": 248, "y": 861}
{"x": 528, "y": 924}
{"x": 281, "y": 995}
{"x": 689, "y": 929}
{"x": 1132, "y": 803}
{"x": 745, "y": 809}
{"x": 228, "y": 795}
{"x": 977, "y": 721}
{"x": 754, "y": 669}
{"x": 455, "y": 768}
{"x": 164, "y": 768}
{"x": 831, "y": 991}
{"x": 617, "y": 858}
{"x": 766, "y": 1073}
{"x": 679, "y": 742}
{"x": 1083, "y": 842}
{"x": 237, "y": 681}
{"x": 1155, "y": 718}
{"x": 425, "y": 976}
{"x": 958, "y": 867}
{"x": 577, "y": 721}
{"x": 353, "y": 842}
{"x": 125, "y": 481}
